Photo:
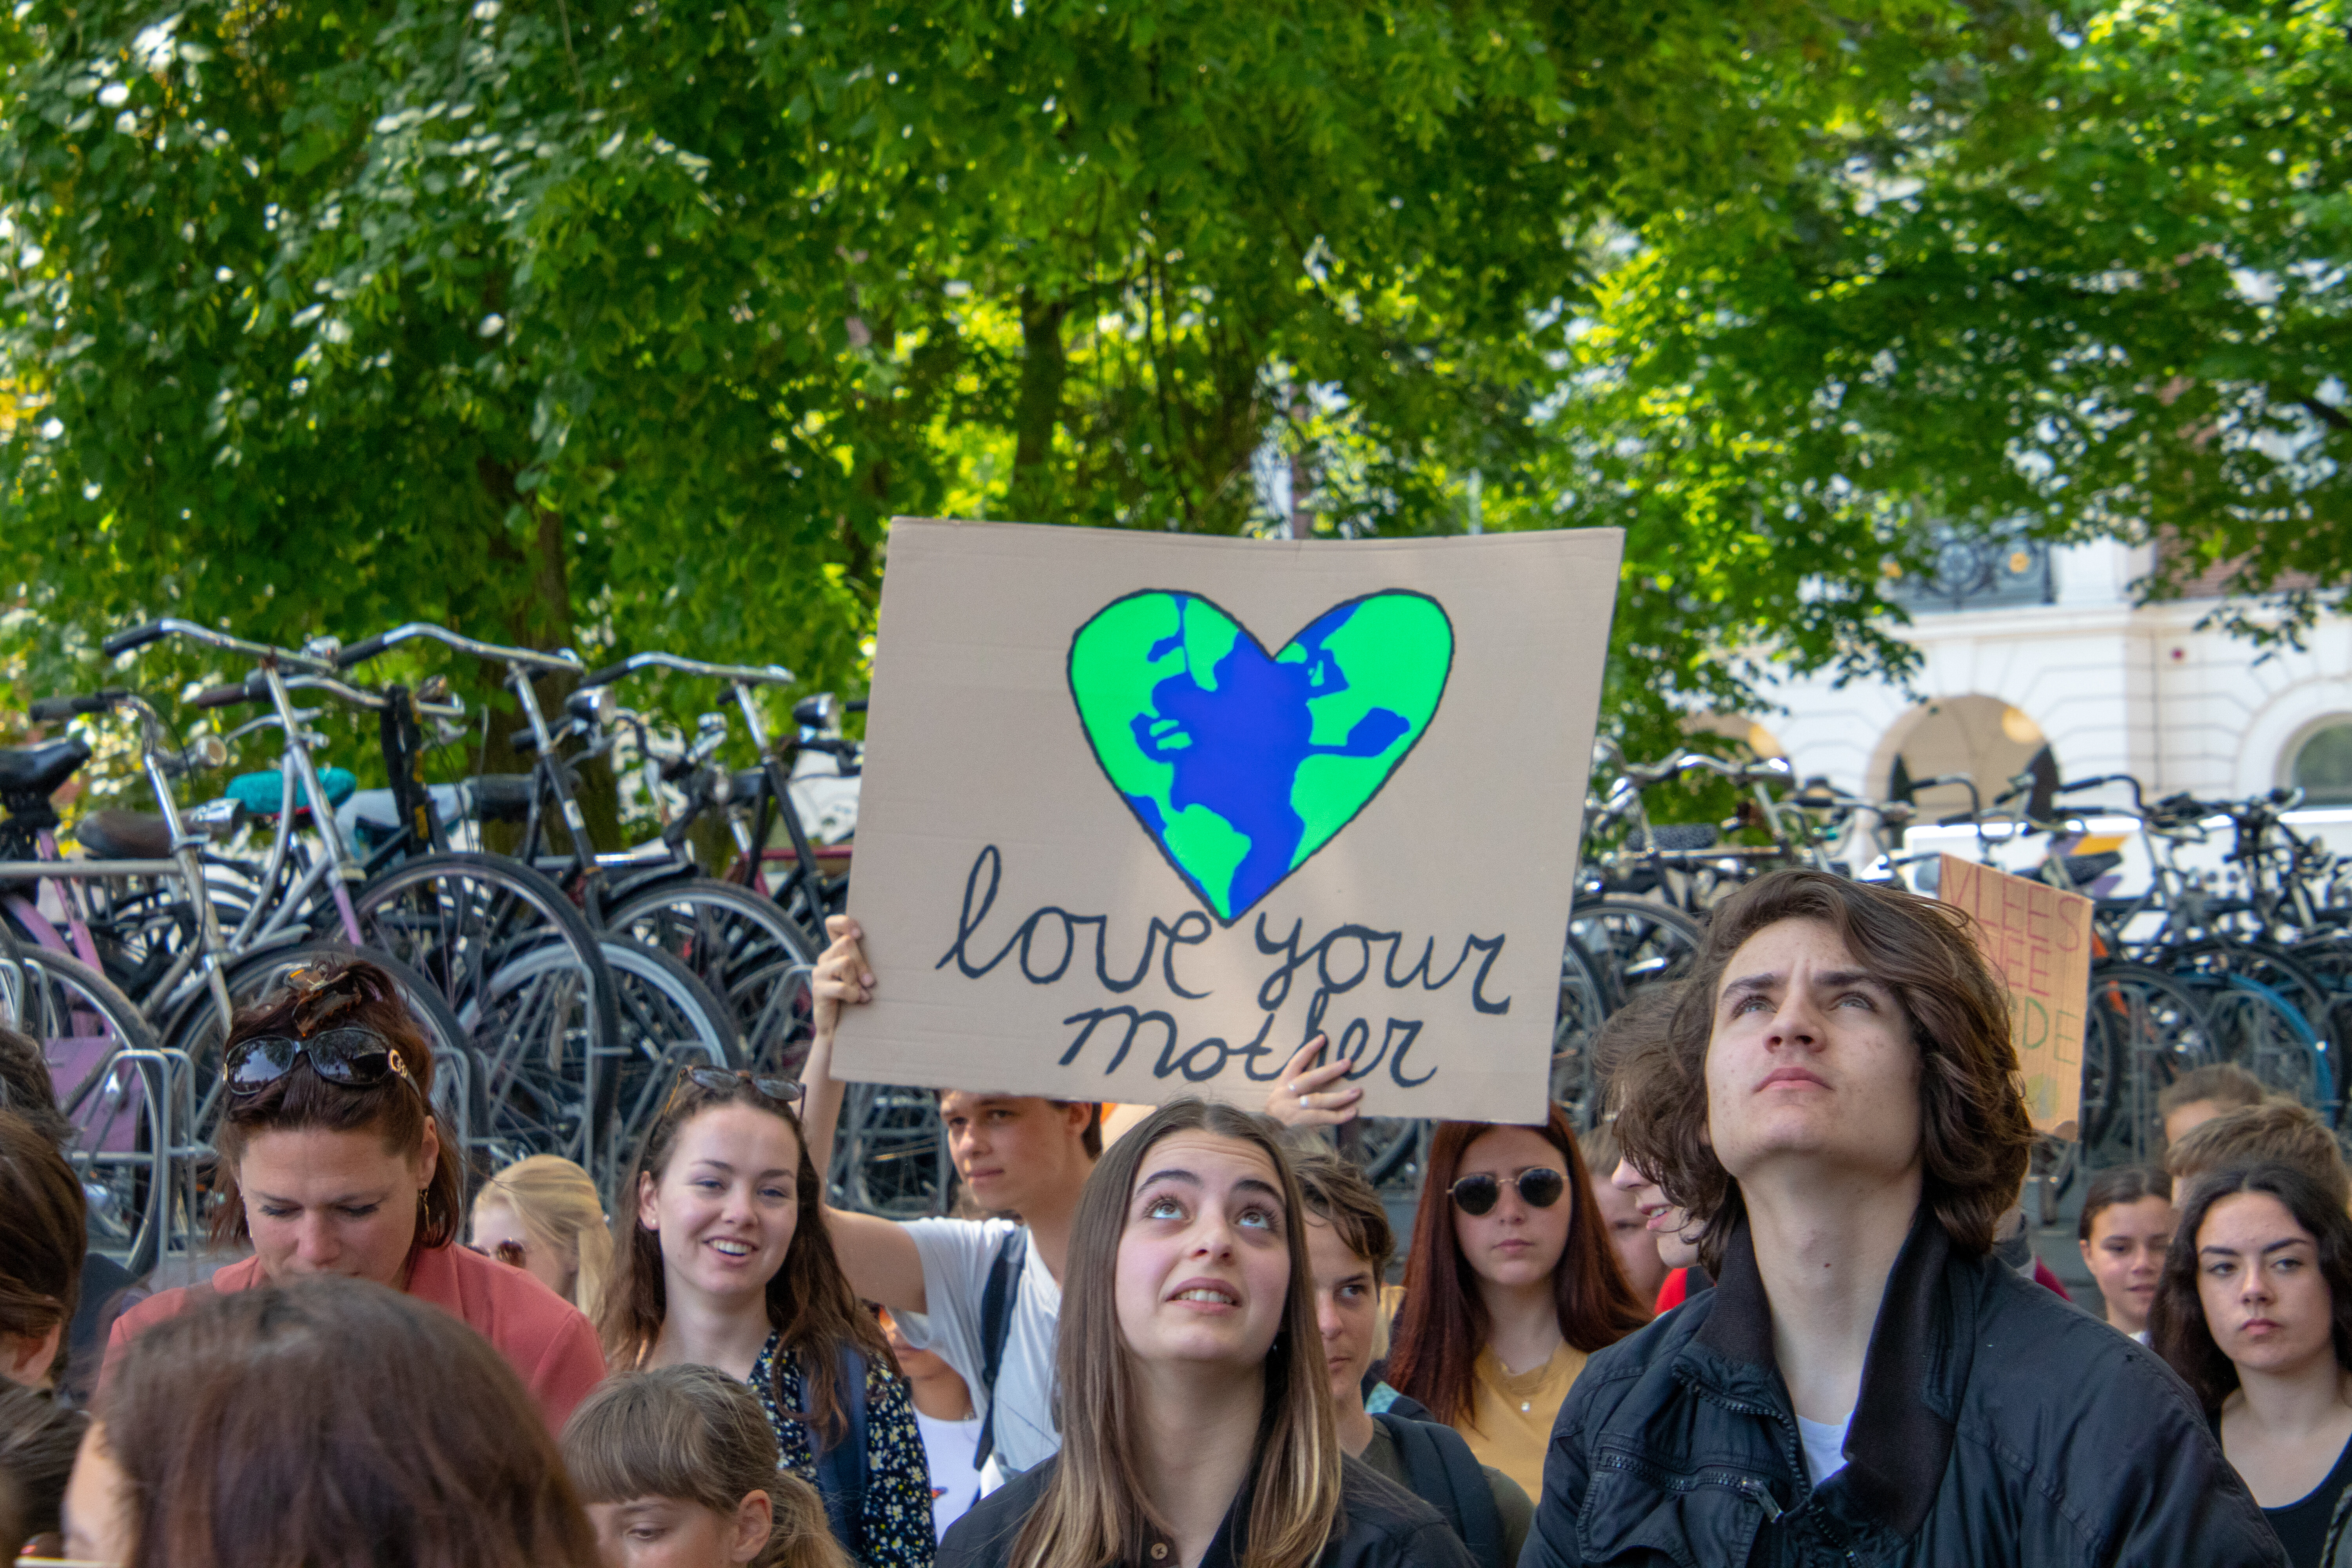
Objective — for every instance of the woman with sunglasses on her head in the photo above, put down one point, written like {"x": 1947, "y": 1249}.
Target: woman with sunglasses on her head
{"x": 726, "y": 1263}
{"x": 1197, "y": 1427}
{"x": 330, "y": 1162}
{"x": 1511, "y": 1283}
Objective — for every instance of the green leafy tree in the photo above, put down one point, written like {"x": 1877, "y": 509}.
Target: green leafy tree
{"x": 603, "y": 323}
{"x": 2093, "y": 284}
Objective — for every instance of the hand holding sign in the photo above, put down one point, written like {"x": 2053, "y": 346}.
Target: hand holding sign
{"x": 1312, "y": 1095}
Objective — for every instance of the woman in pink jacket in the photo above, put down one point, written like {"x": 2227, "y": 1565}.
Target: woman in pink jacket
{"x": 331, "y": 1162}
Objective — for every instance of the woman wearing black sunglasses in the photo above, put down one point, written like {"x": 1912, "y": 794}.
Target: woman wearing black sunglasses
{"x": 1511, "y": 1283}
{"x": 331, "y": 1162}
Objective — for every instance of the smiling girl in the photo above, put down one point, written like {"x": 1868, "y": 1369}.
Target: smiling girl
{"x": 2254, "y": 1312}
{"x": 727, "y": 1264}
{"x": 1197, "y": 1424}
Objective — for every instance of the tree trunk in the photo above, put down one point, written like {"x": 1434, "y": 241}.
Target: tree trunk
{"x": 538, "y": 617}
{"x": 1043, "y": 367}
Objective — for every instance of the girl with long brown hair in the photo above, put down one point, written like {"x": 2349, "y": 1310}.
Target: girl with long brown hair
{"x": 1511, "y": 1282}
{"x": 327, "y": 1422}
{"x": 723, "y": 1259}
{"x": 1196, "y": 1418}
{"x": 331, "y": 1160}
{"x": 2254, "y": 1312}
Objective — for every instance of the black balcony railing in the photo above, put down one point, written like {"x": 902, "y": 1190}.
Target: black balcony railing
{"x": 1981, "y": 572}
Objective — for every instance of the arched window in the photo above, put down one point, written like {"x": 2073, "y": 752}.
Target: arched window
{"x": 2322, "y": 764}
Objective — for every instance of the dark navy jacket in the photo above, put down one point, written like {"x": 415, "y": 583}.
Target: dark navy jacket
{"x": 1997, "y": 1424}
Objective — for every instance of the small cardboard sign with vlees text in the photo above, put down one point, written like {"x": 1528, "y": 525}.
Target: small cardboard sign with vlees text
{"x": 2038, "y": 940}
{"x": 1143, "y": 812}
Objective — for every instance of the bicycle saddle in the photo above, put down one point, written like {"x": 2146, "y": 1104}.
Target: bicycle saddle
{"x": 503, "y": 798}
{"x": 2082, "y": 868}
{"x": 1683, "y": 835}
{"x": 38, "y": 770}
{"x": 115, "y": 834}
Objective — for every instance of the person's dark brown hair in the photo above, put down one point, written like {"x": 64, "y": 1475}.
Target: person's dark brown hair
{"x": 1338, "y": 1195}
{"x": 38, "y": 1437}
{"x": 2176, "y": 1329}
{"x": 2226, "y": 1084}
{"x": 1443, "y": 1325}
{"x": 347, "y": 993}
{"x": 336, "y": 1423}
{"x": 2277, "y": 1132}
{"x": 44, "y": 1232}
{"x": 28, "y": 1089}
{"x": 810, "y": 1302}
{"x": 1626, "y": 1038}
{"x": 1976, "y": 1135}
{"x": 2124, "y": 1184}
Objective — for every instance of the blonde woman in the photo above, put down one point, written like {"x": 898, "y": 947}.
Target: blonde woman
{"x": 1196, "y": 1414}
{"x": 542, "y": 1215}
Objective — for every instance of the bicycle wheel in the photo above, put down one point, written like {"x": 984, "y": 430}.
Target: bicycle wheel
{"x": 11, "y": 982}
{"x": 1638, "y": 942}
{"x": 2269, "y": 1014}
{"x": 669, "y": 1019}
{"x": 740, "y": 945}
{"x": 1587, "y": 997}
{"x": 136, "y": 1169}
{"x": 891, "y": 1155}
{"x": 2329, "y": 960}
{"x": 2149, "y": 1029}
{"x": 519, "y": 967}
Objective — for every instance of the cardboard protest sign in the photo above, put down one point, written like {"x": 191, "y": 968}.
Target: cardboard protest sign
{"x": 2038, "y": 940}
{"x": 1143, "y": 812}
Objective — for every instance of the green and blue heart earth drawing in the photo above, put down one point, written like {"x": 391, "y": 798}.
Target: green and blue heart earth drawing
{"x": 1242, "y": 765}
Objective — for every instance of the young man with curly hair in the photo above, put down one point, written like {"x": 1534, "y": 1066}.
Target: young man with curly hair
{"x": 1839, "y": 1110}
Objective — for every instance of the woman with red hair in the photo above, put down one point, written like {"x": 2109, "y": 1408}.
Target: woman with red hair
{"x": 1511, "y": 1282}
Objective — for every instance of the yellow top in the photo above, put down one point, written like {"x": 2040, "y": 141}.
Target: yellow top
{"x": 1511, "y": 1413}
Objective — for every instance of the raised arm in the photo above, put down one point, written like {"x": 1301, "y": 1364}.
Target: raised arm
{"x": 877, "y": 1254}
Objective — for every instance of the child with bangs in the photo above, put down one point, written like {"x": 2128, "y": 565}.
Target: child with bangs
{"x": 679, "y": 1469}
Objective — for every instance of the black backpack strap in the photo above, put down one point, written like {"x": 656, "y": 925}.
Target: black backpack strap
{"x": 996, "y": 1327}
{"x": 1442, "y": 1471}
{"x": 841, "y": 1469}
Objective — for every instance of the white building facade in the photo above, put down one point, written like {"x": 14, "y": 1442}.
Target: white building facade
{"x": 2109, "y": 686}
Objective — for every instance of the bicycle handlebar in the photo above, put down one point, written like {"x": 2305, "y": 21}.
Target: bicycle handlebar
{"x": 749, "y": 674}
{"x": 2078, "y": 785}
{"x": 224, "y": 697}
{"x": 558, "y": 662}
{"x": 253, "y": 690}
{"x": 137, "y": 637}
{"x": 49, "y": 708}
{"x": 155, "y": 631}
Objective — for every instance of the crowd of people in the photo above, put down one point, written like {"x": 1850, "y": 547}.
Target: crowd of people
{"x": 1780, "y": 1307}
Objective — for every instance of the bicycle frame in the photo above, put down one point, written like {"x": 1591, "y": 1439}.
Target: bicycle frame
{"x": 185, "y": 867}
{"x": 740, "y": 681}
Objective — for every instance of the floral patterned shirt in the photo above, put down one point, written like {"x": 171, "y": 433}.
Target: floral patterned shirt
{"x": 897, "y": 1524}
